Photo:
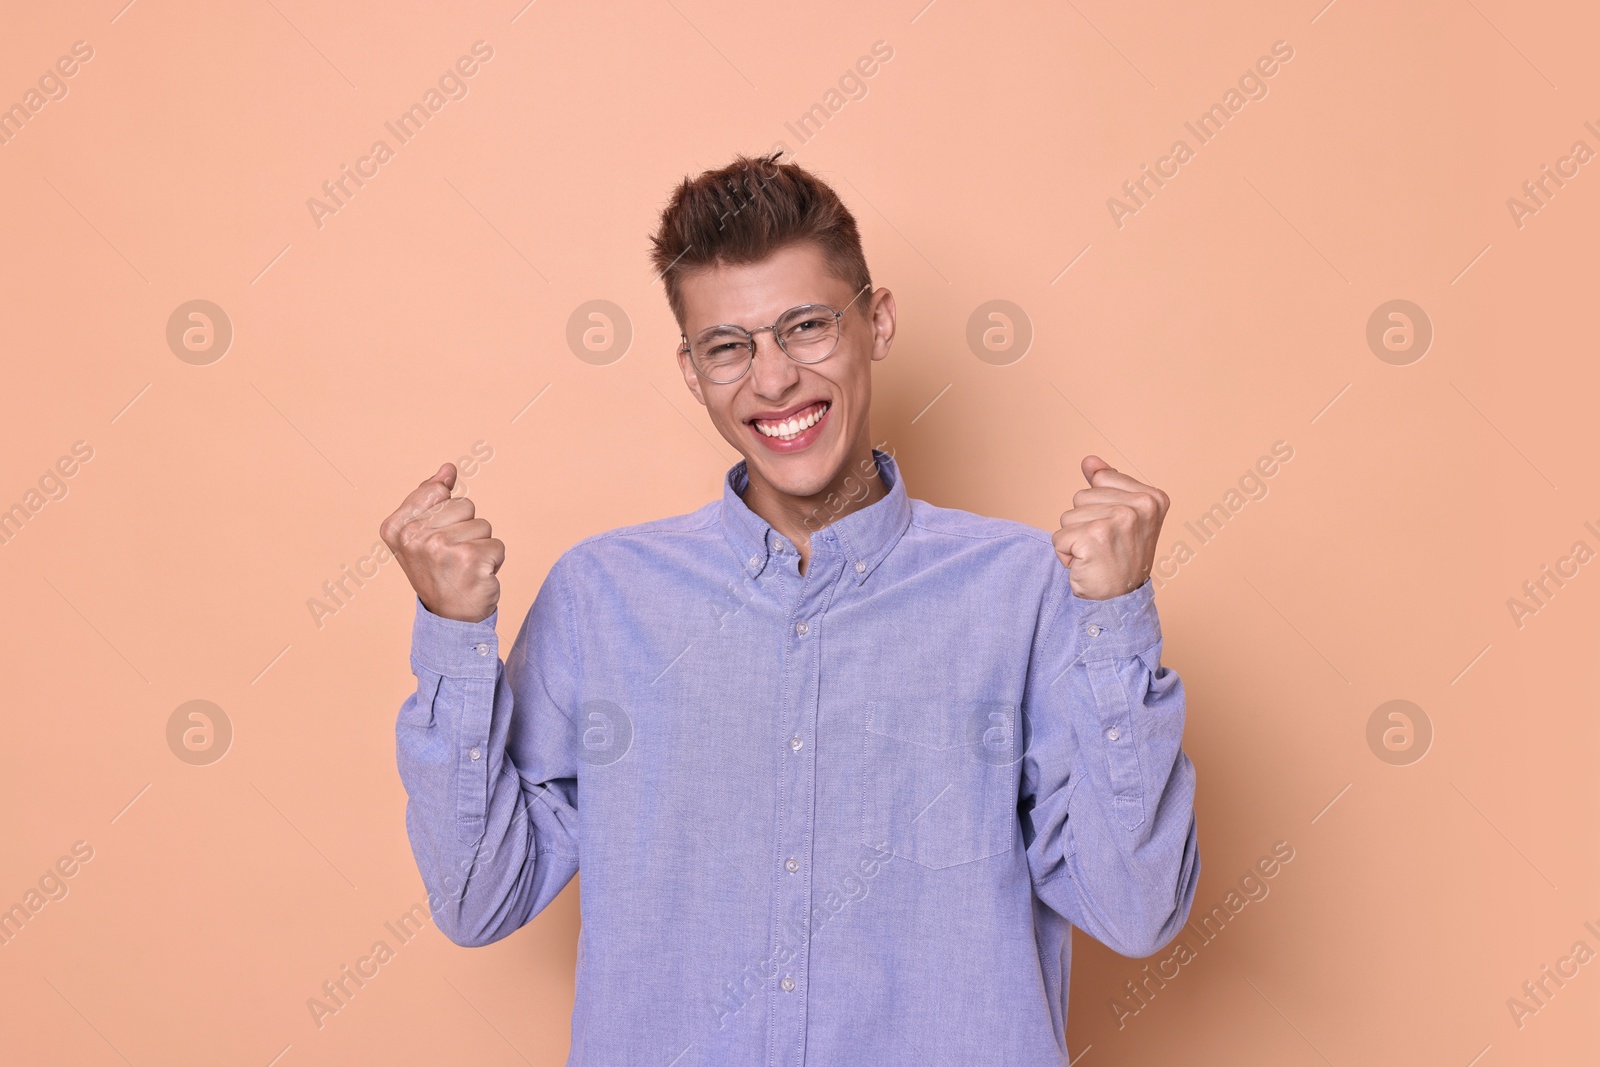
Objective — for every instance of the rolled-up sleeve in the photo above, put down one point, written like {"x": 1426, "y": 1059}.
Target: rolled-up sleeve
{"x": 1107, "y": 799}
{"x": 494, "y": 834}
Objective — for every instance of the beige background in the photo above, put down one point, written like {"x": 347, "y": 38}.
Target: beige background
{"x": 1230, "y": 312}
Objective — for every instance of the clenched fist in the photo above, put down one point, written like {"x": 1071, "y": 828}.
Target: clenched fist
{"x": 445, "y": 551}
{"x": 1108, "y": 539}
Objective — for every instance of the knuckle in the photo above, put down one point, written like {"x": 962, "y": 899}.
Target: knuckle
{"x": 428, "y": 543}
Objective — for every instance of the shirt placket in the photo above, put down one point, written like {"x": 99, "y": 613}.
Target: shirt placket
{"x": 804, "y": 609}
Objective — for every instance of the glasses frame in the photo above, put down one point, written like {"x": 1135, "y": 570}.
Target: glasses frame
{"x": 838, "y": 315}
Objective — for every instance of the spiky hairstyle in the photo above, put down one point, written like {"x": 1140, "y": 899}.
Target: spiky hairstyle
{"x": 744, "y": 212}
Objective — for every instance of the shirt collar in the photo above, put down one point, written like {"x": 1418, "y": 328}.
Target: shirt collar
{"x": 864, "y": 536}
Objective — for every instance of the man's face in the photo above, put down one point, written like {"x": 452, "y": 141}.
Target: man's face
{"x": 835, "y": 394}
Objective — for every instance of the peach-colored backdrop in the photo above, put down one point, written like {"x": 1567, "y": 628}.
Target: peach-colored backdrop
{"x": 189, "y": 475}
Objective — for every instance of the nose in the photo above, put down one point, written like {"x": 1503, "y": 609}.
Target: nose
{"x": 772, "y": 371}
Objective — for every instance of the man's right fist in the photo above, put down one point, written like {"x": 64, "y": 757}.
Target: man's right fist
{"x": 446, "y": 553}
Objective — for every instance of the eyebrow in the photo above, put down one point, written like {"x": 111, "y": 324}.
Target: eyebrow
{"x": 809, "y": 303}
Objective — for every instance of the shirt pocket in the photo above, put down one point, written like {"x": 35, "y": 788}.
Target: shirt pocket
{"x": 938, "y": 779}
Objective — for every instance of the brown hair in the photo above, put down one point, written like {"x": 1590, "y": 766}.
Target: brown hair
{"x": 745, "y": 212}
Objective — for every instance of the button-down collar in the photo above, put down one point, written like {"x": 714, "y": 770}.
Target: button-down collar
{"x": 864, "y": 536}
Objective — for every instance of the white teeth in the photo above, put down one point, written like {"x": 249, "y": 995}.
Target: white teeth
{"x": 791, "y": 427}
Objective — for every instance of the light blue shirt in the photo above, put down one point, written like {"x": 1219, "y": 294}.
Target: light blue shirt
{"x": 839, "y": 818}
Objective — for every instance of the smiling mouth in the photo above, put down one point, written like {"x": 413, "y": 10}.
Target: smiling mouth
{"x": 796, "y": 424}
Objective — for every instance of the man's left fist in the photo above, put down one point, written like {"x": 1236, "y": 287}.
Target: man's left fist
{"x": 1108, "y": 539}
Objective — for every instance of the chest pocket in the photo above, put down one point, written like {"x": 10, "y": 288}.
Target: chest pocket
{"x": 939, "y": 779}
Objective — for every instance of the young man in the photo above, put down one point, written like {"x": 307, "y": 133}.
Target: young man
{"x": 842, "y": 769}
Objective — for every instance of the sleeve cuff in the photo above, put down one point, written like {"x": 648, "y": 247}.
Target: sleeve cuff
{"x": 455, "y": 649}
{"x": 1120, "y": 627}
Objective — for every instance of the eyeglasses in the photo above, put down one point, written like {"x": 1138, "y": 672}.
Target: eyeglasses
{"x": 806, "y": 334}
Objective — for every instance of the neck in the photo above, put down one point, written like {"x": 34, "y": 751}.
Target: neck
{"x": 798, "y": 517}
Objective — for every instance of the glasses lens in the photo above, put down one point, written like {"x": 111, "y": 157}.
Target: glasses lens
{"x": 809, "y": 333}
{"x": 721, "y": 354}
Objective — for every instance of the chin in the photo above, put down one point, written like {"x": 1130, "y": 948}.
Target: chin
{"x": 796, "y": 476}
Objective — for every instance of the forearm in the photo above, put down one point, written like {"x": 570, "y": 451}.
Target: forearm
{"x": 1115, "y": 848}
{"x": 492, "y": 849}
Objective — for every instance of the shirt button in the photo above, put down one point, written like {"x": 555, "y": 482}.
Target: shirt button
{"x": 861, "y": 568}
{"x": 475, "y": 753}
{"x": 801, "y": 628}
{"x": 793, "y": 865}
{"x": 795, "y": 742}
{"x": 483, "y": 649}
{"x": 755, "y": 561}
{"x": 1093, "y": 630}
{"x": 1112, "y": 734}
{"x": 787, "y": 984}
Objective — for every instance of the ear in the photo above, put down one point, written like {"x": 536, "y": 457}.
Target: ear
{"x": 881, "y": 318}
{"x": 690, "y": 378}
